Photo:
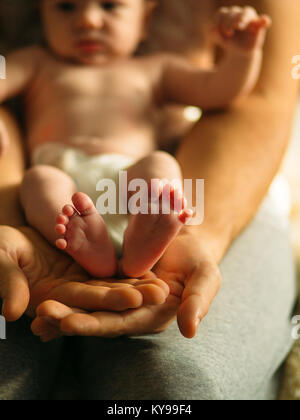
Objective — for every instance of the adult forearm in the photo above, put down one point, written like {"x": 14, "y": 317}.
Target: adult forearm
{"x": 12, "y": 166}
{"x": 237, "y": 153}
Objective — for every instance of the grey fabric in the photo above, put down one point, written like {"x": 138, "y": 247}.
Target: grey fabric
{"x": 28, "y": 368}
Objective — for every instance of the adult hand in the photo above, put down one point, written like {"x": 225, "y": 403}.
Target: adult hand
{"x": 193, "y": 277}
{"x": 32, "y": 271}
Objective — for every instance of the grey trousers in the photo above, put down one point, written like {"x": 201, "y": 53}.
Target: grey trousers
{"x": 237, "y": 353}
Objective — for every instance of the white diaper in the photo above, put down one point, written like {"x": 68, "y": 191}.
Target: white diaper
{"x": 87, "y": 171}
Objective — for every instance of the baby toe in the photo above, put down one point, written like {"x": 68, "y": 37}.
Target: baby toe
{"x": 61, "y": 244}
{"x": 62, "y": 219}
{"x": 185, "y": 216}
{"x": 60, "y": 229}
{"x": 83, "y": 204}
{"x": 68, "y": 211}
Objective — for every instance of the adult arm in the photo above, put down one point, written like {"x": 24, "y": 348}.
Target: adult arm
{"x": 21, "y": 67}
{"x": 12, "y": 166}
{"x": 239, "y": 151}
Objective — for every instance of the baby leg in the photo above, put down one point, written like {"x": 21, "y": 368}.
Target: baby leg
{"x": 148, "y": 235}
{"x": 44, "y": 192}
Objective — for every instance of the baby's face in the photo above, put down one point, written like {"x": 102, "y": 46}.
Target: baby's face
{"x": 93, "y": 32}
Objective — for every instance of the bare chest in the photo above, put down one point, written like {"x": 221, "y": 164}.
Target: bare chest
{"x": 81, "y": 89}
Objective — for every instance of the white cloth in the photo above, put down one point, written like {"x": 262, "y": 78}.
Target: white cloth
{"x": 87, "y": 171}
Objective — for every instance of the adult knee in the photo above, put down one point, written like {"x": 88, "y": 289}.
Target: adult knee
{"x": 159, "y": 367}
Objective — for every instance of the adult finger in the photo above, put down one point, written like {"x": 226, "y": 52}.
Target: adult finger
{"x": 47, "y": 323}
{"x": 199, "y": 293}
{"x": 144, "y": 320}
{"x": 110, "y": 295}
{"x": 14, "y": 289}
{"x": 93, "y": 298}
{"x": 45, "y": 330}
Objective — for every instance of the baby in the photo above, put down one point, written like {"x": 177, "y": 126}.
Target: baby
{"x": 91, "y": 106}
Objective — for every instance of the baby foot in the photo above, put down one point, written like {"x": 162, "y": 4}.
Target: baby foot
{"x": 86, "y": 237}
{"x": 148, "y": 235}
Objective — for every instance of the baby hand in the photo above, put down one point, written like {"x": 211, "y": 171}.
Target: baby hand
{"x": 3, "y": 139}
{"x": 240, "y": 29}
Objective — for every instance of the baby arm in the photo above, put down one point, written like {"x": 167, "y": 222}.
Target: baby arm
{"x": 241, "y": 33}
{"x": 20, "y": 69}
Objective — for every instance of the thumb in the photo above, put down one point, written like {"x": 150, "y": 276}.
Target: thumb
{"x": 14, "y": 290}
{"x": 199, "y": 293}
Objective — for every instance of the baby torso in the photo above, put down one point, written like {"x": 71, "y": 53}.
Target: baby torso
{"x": 106, "y": 109}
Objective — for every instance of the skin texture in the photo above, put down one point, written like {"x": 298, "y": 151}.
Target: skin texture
{"x": 88, "y": 91}
{"x": 43, "y": 274}
{"x": 223, "y": 160}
